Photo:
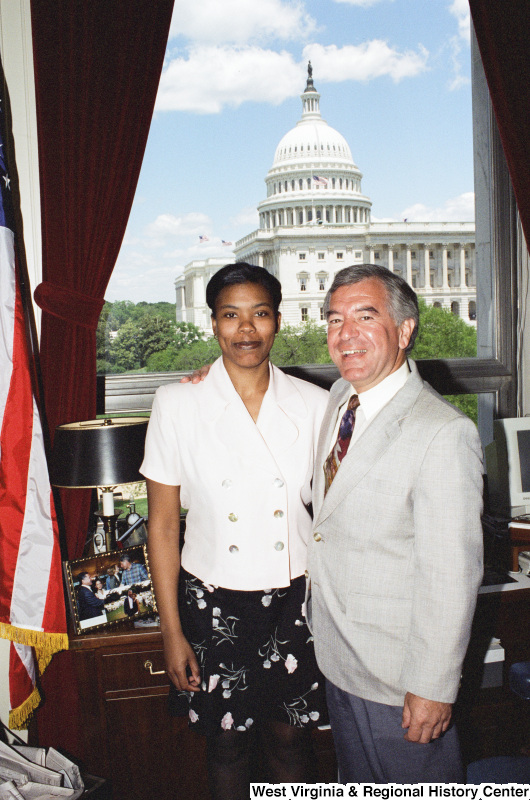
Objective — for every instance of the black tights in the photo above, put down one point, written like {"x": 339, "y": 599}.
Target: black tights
{"x": 286, "y": 756}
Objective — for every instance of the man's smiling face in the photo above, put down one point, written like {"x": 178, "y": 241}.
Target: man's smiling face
{"x": 364, "y": 341}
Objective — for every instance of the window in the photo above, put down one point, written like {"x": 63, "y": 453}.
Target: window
{"x": 321, "y": 256}
{"x": 358, "y": 254}
{"x": 322, "y": 280}
{"x": 304, "y": 314}
{"x": 303, "y": 284}
{"x": 321, "y": 313}
{"x": 491, "y": 375}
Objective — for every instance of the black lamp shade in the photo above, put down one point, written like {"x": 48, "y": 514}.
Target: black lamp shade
{"x": 98, "y": 452}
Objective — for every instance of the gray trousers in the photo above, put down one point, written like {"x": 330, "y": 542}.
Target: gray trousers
{"x": 370, "y": 746}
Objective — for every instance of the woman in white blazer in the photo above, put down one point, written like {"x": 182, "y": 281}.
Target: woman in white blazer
{"x": 237, "y": 451}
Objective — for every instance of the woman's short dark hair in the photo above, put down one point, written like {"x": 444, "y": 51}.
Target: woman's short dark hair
{"x": 241, "y": 272}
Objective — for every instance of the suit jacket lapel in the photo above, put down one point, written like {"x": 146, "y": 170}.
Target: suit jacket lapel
{"x": 339, "y": 393}
{"x": 370, "y": 446}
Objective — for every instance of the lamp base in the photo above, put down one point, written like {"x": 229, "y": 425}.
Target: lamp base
{"x": 109, "y": 529}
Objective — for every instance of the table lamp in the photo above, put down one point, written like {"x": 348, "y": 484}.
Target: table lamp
{"x": 99, "y": 453}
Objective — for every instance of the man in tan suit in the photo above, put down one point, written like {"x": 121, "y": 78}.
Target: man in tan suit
{"x": 396, "y": 557}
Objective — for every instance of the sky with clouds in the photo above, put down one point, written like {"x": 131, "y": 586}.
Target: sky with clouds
{"x": 394, "y": 79}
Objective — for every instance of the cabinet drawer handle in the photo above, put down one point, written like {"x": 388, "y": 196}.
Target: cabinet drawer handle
{"x": 148, "y": 665}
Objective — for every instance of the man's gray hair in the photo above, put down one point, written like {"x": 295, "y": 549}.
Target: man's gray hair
{"x": 402, "y": 299}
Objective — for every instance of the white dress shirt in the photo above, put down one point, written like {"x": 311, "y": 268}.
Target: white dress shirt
{"x": 371, "y": 402}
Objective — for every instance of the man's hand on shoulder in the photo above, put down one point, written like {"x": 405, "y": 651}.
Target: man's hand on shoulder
{"x": 425, "y": 719}
{"x": 197, "y": 376}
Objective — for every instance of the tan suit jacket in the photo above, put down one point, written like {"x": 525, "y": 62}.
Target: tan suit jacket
{"x": 396, "y": 558}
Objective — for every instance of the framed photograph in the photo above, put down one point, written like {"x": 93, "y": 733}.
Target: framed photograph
{"x": 109, "y": 587}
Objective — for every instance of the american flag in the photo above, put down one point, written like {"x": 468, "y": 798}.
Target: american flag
{"x": 32, "y": 613}
{"x": 226, "y": 244}
{"x": 203, "y": 239}
{"x": 320, "y": 181}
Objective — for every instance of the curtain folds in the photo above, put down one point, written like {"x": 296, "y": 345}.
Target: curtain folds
{"x": 503, "y": 34}
{"x": 97, "y": 68}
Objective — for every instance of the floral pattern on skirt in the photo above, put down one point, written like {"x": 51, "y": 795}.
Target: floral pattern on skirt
{"x": 256, "y": 658}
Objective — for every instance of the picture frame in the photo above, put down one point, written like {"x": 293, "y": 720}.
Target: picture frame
{"x": 108, "y": 588}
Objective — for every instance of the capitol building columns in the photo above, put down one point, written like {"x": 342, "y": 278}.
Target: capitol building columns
{"x": 427, "y": 269}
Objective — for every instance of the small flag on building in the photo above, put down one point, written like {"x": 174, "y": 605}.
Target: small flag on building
{"x": 32, "y": 613}
{"x": 203, "y": 239}
{"x": 226, "y": 244}
{"x": 320, "y": 181}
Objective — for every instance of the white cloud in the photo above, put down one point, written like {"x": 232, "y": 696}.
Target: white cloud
{"x": 240, "y": 21}
{"x": 167, "y": 226}
{"x": 365, "y": 61}
{"x": 460, "y": 10}
{"x": 211, "y": 78}
{"x": 456, "y": 209}
{"x": 247, "y": 217}
{"x": 462, "y": 40}
{"x": 362, "y": 3}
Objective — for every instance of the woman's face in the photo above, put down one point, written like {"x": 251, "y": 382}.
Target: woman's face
{"x": 99, "y": 584}
{"x": 245, "y": 324}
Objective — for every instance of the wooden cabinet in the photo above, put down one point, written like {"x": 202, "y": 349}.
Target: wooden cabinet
{"x": 495, "y": 721}
{"x": 128, "y": 736}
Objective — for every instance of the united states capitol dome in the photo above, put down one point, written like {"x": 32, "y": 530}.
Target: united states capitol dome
{"x": 313, "y": 177}
{"x": 312, "y": 138}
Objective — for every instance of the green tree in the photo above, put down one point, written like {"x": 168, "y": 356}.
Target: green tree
{"x": 186, "y": 333}
{"x": 196, "y": 354}
{"x": 155, "y": 334}
{"x": 300, "y": 344}
{"x": 443, "y": 335}
{"x": 125, "y": 349}
{"x": 103, "y": 334}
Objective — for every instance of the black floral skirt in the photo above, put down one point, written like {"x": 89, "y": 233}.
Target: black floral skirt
{"x": 256, "y": 657}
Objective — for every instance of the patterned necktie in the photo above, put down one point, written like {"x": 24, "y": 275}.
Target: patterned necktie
{"x": 340, "y": 448}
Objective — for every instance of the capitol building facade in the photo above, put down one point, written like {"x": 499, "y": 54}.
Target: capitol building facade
{"x": 316, "y": 220}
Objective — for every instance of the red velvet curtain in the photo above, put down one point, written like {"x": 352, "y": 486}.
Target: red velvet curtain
{"x": 503, "y": 35}
{"x": 97, "y": 69}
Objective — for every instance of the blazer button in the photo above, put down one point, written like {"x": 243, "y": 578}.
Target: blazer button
{"x": 278, "y": 514}
{"x": 233, "y": 517}
{"x": 233, "y": 548}
{"x": 227, "y": 483}
{"x": 278, "y": 483}
{"x": 317, "y": 537}
{"x": 279, "y": 546}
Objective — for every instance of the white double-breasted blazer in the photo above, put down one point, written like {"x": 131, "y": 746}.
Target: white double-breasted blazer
{"x": 246, "y": 485}
{"x": 396, "y": 557}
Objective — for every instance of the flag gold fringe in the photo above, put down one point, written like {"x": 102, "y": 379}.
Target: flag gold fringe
{"x": 45, "y": 646}
{"x": 20, "y": 717}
